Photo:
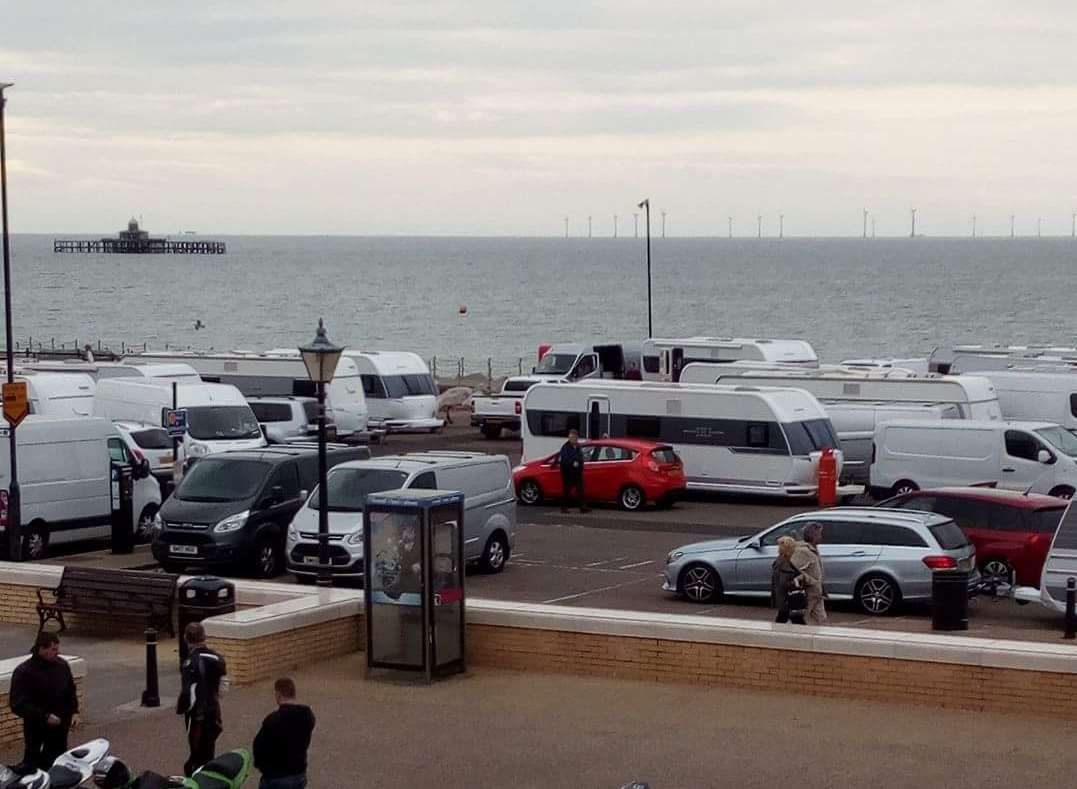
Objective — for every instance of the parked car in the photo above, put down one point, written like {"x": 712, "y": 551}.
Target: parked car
{"x": 1011, "y": 531}
{"x": 232, "y": 509}
{"x": 877, "y": 557}
{"x": 489, "y": 508}
{"x": 491, "y": 413}
{"x": 287, "y": 419}
{"x": 152, "y": 443}
{"x": 623, "y": 470}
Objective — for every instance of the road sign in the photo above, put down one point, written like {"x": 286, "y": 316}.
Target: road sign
{"x": 176, "y": 422}
{"x": 16, "y": 404}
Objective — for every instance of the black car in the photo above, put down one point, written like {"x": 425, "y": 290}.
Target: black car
{"x": 233, "y": 509}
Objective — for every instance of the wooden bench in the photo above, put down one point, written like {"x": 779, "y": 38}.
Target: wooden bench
{"x": 128, "y": 595}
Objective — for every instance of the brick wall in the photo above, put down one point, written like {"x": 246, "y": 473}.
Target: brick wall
{"x": 919, "y": 683}
{"x": 18, "y": 604}
{"x": 11, "y": 726}
{"x": 267, "y": 657}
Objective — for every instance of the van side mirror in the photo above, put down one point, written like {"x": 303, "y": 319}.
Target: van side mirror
{"x": 1046, "y": 457}
{"x": 276, "y": 494}
{"x": 303, "y": 494}
{"x": 144, "y": 469}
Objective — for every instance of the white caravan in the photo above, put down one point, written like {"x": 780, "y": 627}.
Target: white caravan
{"x": 912, "y": 455}
{"x": 855, "y": 423}
{"x": 916, "y": 366}
{"x": 101, "y": 370}
{"x": 664, "y": 359}
{"x": 58, "y": 394}
{"x": 218, "y": 417}
{"x": 65, "y": 481}
{"x": 400, "y": 391}
{"x": 276, "y": 374}
{"x": 734, "y": 439}
{"x": 974, "y": 397}
{"x": 1061, "y": 565}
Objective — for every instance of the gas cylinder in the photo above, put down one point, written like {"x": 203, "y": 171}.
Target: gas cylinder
{"x": 828, "y": 479}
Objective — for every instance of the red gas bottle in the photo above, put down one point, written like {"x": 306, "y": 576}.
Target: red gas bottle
{"x": 542, "y": 349}
{"x": 828, "y": 479}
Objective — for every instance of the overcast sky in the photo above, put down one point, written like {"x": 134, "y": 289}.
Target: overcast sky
{"x": 495, "y": 117}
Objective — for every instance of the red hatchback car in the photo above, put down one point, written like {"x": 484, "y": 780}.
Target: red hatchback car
{"x": 622, "y": 470}
{"x": 1012, "y": 531}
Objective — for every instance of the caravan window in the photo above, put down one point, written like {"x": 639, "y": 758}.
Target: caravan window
{"x": 398, "y": 386}
{"x": 553, "y": 423}
{"x": 650, "y": 365}
{"x": 810, "y": 436}
{"x": 372, "y": 387}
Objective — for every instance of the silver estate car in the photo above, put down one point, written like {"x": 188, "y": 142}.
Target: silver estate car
{"x": 877, "y": 558}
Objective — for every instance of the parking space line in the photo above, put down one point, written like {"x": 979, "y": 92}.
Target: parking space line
{"x": 607, "y": 561}
{"x": 596, "y": 591}
{"x": 637, "y": 564}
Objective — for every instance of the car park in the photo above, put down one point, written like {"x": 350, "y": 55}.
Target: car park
{"x": 1012, "y": 531}
{"x": 233, "y": 509}
{"x": 877, "y": 558}
{"x": 489, "y": 508}
{"x": 628, "y": 472}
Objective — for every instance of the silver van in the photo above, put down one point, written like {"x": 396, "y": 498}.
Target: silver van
{"x": 489, "y": 508}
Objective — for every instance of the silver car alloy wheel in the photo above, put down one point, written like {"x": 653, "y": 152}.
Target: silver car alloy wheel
{"x": 877, "y": 595}
{"x": 699, "y": 583}
{"x": 145, "y": 523}
{"x": 495, "y": 554}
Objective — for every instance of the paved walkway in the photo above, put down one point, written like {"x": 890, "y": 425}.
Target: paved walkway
{"x": 495, "y": 729}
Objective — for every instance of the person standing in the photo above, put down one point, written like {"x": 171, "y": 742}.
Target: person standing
{"x": 786, "y": 593}
{"x": 280, "y": 748}
{"x": 43, "y": 694}
{"x": 571, "y": 461}
{"x": 200, "y": 697}
{"x": 807, "y": 561}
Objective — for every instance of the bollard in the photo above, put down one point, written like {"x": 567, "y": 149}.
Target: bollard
{"x": 151, "y": 696}
{"x": 1071, "y": 603}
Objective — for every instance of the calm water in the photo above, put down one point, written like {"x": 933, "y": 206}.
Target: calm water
{"x": 847, "y": 297}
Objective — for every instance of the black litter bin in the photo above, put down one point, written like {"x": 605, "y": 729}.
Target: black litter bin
{"x": 201, "y": 598}
{"x": 950, "y": 600}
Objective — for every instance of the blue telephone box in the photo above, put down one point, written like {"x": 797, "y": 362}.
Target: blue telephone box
{"x": 413, "y": 555}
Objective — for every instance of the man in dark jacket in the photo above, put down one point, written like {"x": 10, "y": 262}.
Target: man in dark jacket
{"x": 280, "y": 749}
{"x": 571, "y": 461}
{"x": 200, "y": 700}
{"x": 43, "y": 694}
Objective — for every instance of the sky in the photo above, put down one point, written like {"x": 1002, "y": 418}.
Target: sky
{"x": 495, "y": 117}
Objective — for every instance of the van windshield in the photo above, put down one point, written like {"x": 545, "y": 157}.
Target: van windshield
{"x": 556, "y": 363}
{"x": 209, "y": 422}
{"x": 222, "y": 479}
{"x": 349, "y": 487}
{"x": 1060, "y": 438}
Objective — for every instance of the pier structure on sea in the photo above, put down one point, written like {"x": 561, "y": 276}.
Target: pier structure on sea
{"x": 135, "y": 241}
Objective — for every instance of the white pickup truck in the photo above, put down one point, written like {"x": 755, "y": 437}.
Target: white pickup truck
{"x": 492, "y": 413}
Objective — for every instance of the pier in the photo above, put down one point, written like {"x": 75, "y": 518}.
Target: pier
{"x": 134, "y": 241}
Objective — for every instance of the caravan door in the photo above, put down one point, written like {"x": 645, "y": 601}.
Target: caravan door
{"x": 598, "y": 417}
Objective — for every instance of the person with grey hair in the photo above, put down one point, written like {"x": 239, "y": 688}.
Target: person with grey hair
{"x": 809, "y": 564}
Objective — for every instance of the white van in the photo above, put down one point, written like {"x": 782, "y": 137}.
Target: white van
{"x": 733, "y": 439}
{"x": 58, "y": 394}
{"x": 277, "y": 373}
{"x": 974, "y": 396}
{"x": 910, "y": 455}
{"x": 664, "y": 359}
{"x": 855, "y": 423}
{"x": 489, "y": 507}
{"x": 65, "y": 481}
{"x": 401, "y": 394}
{"x": 218, "y": 416}
{"x": 1046, "y": 396}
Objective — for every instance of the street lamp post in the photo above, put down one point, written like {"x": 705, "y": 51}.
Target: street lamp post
{"x": 321, "y": 357}
{"x": 646, "y": 204}
{"x": 14, "y": 503}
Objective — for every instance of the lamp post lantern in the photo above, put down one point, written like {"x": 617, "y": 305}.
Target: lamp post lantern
{"x": 321, "y": 357}
{"x": 646, "y": 205}
{"x": 14, "y": 503}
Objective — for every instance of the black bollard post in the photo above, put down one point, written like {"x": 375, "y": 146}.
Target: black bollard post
{"x": 151, "y": 696}
{"x": 1071, "y": 604}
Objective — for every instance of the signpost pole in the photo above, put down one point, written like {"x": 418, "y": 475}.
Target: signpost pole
{"x": 177, "y": 469}
{"x": 14, "y": 499}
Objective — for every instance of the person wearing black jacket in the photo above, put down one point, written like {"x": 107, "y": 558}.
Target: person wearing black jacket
{"x": 200, "y": 701}
{"x": 43, "y": 694}
{"x": 280, "y": 749}
{"x": 570, "y": 459}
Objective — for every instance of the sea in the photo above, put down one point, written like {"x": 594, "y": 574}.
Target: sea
{"x": 497, "y": 299}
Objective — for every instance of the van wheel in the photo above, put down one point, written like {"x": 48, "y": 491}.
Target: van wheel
{"x": 35, "y": 543}
{"x": 530, "y": 493}
{"x": 997, "y": 571}
{"x": 903, "y": 487}
{"x": 631, "y": 498}
{"x": 495, "y": 554}
{"x": 1062, "y": 492}
{"x": 145, "y": 523}
{"x": 878, "y": 595}
{"x": 491, "y": 432}
{"x": 267, "y": 557}
{"x": 701, "y": 584}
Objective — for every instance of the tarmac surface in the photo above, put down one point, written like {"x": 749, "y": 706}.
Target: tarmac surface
{"x": 493, "y": 729}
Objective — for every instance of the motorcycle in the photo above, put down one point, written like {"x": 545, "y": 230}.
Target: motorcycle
{"x": 71, "y": 769}
{"x": 228, "y": 771}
